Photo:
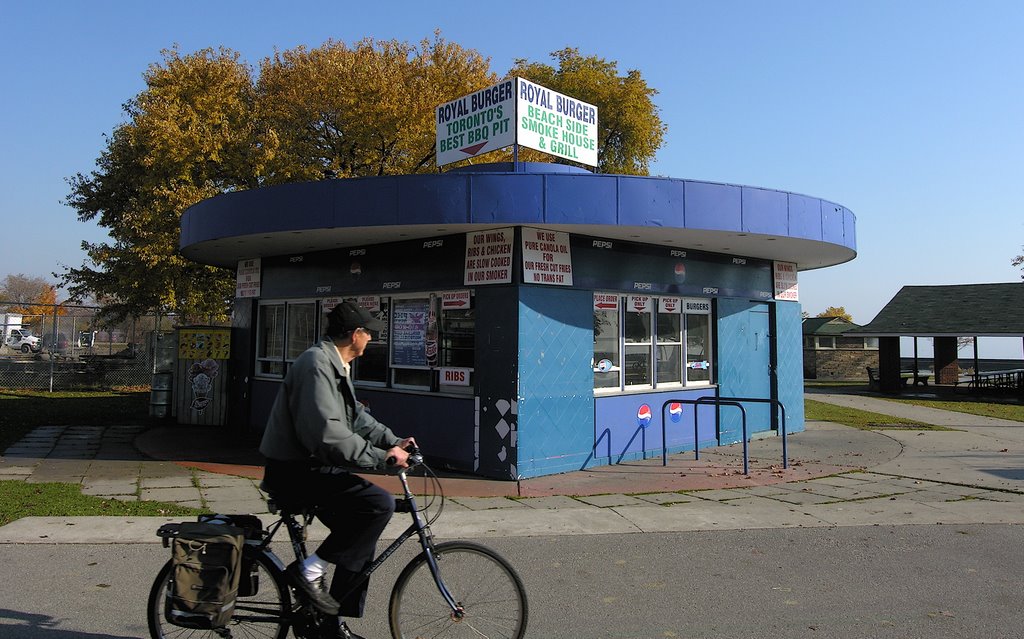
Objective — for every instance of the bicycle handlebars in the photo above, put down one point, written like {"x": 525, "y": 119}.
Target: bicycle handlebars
{"x": 415, "y": 458}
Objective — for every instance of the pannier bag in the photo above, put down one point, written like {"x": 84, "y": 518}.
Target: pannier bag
{"x": 249, "y": 581}
{"x": 206, "y": 566}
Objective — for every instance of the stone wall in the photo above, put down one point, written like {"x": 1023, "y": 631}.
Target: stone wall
{"x": 839, "y": 364}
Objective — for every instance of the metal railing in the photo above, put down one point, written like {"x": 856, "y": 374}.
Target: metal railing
{"x": 724, "y": 401}
{"x": 607, "y": 434}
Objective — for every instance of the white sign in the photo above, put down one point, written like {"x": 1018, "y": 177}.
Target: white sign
{"x": 516, "y": 111}
{"x": 369, "y": 302}
{"x": 639, "y": 303}
{"x": 489, "y": 257}
{"x": 606, "y": 301}
{"x": 476, "y": 123}
{"x": 455, "y": 299}
{"x": 455, "y": 376}
{"x": 670, "y": 305}
{"x": 546, "y": 257}
{"x": 247, "y": 281}
{"x": 786, "y": 287}
{"x": 696, "y": 306}
{"x": 554, "y": 123}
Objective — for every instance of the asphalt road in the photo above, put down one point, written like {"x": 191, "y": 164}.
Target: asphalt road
{"x": 874, "y": 582}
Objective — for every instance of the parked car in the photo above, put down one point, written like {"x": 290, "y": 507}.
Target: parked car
{"x": 22, "y": 339}
{"x": 63, "y": 344}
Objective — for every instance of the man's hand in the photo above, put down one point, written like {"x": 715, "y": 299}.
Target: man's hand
{"x": 406, "y": 443}
{"x": 397, "y": 457}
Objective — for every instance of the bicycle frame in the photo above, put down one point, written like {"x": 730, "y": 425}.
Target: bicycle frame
{"x": 418, "y": 527}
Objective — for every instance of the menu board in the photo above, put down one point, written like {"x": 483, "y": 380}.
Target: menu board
{"x": 204, "y": 343}
{"x": 409, "y": 332}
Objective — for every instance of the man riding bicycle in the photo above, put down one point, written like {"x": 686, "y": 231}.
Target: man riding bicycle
{"x": 316, "y": 432}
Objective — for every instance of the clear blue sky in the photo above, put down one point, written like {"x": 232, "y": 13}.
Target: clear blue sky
{"x": 911, "y": 114}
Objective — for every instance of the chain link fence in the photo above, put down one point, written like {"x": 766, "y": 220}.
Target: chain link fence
{"x": 67, "y": 347}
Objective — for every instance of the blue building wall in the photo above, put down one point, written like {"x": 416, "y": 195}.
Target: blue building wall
{"x": 556, "y": 383}
{"x": 628, "y": 427}
{"x": 789, "y": 371}
{"x": 744, "y": 357}
{"x": 443, "y": 426}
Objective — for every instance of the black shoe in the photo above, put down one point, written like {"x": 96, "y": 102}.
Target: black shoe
{"x": 315, "y": 591}
{"x": 345, "y": 633}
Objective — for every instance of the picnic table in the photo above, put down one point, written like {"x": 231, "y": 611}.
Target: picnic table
{"x": 1008, "y": 379}
{"x": 906, "y": 376}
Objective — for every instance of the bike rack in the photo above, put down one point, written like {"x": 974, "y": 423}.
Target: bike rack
{"x": 593, "y": 449}
{"x": 607, "y": 434}
{"x": 724, "y": 401}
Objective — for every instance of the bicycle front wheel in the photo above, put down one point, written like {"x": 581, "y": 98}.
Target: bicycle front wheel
{"x": 261, "y": 614}
{"x": 489, "y": 594}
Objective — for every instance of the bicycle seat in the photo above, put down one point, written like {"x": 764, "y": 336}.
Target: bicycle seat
{"x": 288, "y": 504}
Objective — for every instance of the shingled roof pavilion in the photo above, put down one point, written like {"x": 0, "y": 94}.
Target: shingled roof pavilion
{"x": 943, "y": 313}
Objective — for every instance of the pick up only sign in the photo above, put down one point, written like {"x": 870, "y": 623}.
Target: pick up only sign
{"x": 516, "y": 111}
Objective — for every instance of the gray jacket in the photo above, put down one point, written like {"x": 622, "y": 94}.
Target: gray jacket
{"x": 316, "y": 416}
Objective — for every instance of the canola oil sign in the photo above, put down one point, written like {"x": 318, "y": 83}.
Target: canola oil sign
{"x": 554, "y": 123}
{"x": 516, "y": 111}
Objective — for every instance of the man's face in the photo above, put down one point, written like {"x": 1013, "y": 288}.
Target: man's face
{"x": 360, "y": 338}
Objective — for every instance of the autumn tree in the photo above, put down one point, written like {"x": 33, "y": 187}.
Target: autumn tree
{"x": 22, "y": 294}
{"x": 204, "y": 125}
{"x": 364, "y": 109}
{"x": 191, "y": 134}
{"x": 836, "y": 311}
{"x": 630, "y": 130}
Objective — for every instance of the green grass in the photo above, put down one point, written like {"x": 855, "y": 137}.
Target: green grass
{"x": 23, "y": 410}
{"x": 1013, "y": 412}
{"x": 864, "y": 420}
{"x": 21, "y": 499}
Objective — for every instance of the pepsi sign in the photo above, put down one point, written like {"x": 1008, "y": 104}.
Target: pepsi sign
{"x": 643, "y": 416}
{"x": 675, "y": 412}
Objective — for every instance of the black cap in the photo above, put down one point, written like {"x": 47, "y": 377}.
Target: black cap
{"x": 348, "y": 316}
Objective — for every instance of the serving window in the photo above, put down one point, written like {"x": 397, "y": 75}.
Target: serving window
{"x": 372, "y": 367}
{"x": 637, "y": 325}
{"x": 606, "y": 362}
{"x": 434, "y": 344}
{"x": 270, "y": 332}
{"x": 284, "y": 329}
{"x": 663, "y": 341}
{"x": 427, "y": 341}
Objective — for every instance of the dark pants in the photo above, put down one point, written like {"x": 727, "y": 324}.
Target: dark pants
{"x": 354, "y": 510}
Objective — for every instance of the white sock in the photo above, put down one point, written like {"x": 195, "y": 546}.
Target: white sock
{"x": 314, "y": 567}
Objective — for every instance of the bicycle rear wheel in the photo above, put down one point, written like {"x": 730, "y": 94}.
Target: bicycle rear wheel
{"x": 489, "y": 593}
{"x": 263, "y": 615}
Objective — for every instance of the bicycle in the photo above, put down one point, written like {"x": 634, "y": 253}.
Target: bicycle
{"x": 450, "y": 589}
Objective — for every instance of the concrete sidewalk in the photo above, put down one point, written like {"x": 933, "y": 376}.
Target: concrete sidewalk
{"x": 974, "y": 474}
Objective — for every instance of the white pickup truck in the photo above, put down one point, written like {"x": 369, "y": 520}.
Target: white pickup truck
{"x": 22, "y": 339}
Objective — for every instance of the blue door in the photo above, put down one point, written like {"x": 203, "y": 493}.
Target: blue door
{"x": 744, "y": 365}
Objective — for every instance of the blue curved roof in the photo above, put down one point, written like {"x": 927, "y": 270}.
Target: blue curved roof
{"x": 335, "y": 213}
